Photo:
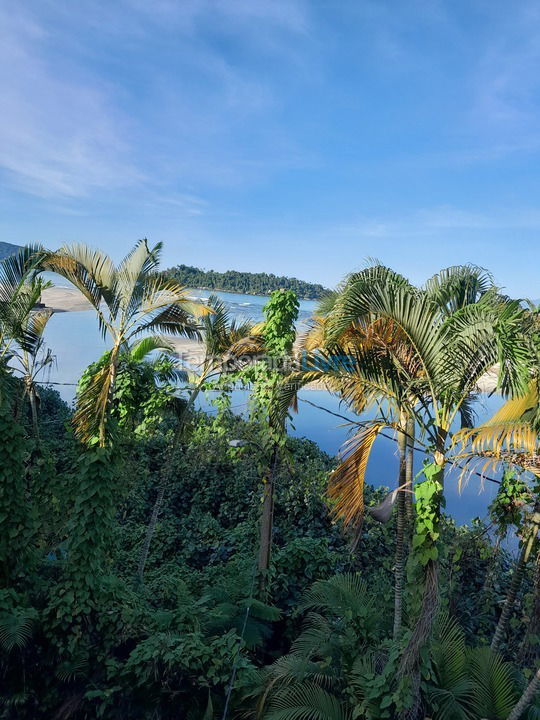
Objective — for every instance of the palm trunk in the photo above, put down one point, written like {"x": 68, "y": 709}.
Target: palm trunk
{"x": 526, "y": 699}
{"x": 508, "y": 607}
{"x": 167, "y": 471}
{"x": 267, "y": 521}
{"x": 409, "y": 475}
{"x": 400, "y": 535}
{"x": 515, "y": 584}
{"x": 33, "y": 407}
{"x": 410, "y": 660}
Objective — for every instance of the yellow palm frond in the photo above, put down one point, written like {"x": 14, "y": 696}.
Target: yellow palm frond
{"x": 250, "y": 345}
{"x": 90, "y": 417}
{"x": 258, "y": 328}
{"x": 508, "y": 430}
{"x": 314, "y": 338}
{"x": 346, "y": 486}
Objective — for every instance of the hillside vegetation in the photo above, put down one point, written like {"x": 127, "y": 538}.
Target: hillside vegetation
{"x": 244, "y": 282}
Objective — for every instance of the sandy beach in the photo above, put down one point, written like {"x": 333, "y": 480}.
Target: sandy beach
{"x": 60, "y": 299}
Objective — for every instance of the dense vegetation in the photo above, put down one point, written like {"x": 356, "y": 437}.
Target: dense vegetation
{"x": 244, "y": 282}
{"x": 160, "y": 562}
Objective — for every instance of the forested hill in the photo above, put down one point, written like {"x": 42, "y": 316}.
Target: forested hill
{"x": 244, "y": 282}
{"x": 7, "y": 249}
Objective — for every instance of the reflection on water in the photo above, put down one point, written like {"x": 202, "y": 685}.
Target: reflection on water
{"x": 75, "y": 339}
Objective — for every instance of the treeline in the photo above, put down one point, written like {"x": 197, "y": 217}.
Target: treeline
{"x": 244, "y": 282}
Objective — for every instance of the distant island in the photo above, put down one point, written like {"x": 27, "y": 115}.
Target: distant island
{"x": 244, "y": 282}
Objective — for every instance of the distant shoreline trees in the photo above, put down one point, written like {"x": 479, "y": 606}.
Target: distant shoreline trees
{"x": 244, "y": 282}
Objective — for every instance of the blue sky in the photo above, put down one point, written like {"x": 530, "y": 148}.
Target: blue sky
{"x": 290, "y": 136}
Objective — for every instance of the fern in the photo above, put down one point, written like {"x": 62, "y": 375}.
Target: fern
{"x": 16, "y": 628}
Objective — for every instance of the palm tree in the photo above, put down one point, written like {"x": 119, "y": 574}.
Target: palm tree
{"x": 225, "y": 339}
{"x": 381, "y": 367}
{"x": 527, "y": 698}
{"x": 17, "y": 297}
{"x": 131, "y": 300}
{"x": 450, "y": 333}
{"x": 19, "y": 292}
{"x": 32, "y": 357}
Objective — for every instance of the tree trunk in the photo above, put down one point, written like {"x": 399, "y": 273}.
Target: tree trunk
{"x": 410, "y": 660}
{"x": 32, "y": 396}
{"x": 515, "y": 584}
{"x": 400, "y": 535}
{"x": 526, "y": 699}
{"x": 266, "y": 524}
{"x": 508, "y": 607}
{"x": 409, "y": 476}
{"x": 150, "y": 532}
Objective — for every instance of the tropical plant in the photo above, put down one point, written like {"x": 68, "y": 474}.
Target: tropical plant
{"x": 224, "y": 339}
{"x": 19, "y": 292}
{"x": 278, "y": 334}
{"x": 512, "y": 434}
{"x": 448, "y": 335}
{"x": 32, "y": 358}
{"x": 131, "y": 300}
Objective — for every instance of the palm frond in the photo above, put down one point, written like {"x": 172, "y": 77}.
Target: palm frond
{"x": 450, "y": 691}
{"x": 455, "y": 287}
{"x": 16, "y": 628}
{"x": 305, "y": 701}
{"x": 92, "y": 406}
{"x": 146, "y": 345}
{"x": 493, "y": 681}
{"x": 346, "y": 484}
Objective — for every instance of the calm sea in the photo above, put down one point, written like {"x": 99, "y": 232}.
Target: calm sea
{"x": 76, "y": 341}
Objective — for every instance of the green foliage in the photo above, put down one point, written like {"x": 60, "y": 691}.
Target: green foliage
{"x": 142, "y": 391}
{"x": 244, "y": 282}
{"x": 507, "y": 507}
{"x": 15, "y": 509}
{"x": 82, "y": 638}
{"x": 280, "y": 312}
{"x": 429, "y": 498}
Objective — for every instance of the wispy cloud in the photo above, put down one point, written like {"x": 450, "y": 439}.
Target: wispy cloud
{"x": 506, "y": 79}
{"x": 186, "y": 112}
{"x": 440, "y": 221}
{"x": 58, "y": 136}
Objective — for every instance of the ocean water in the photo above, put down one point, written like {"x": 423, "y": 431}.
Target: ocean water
{"x": 75, "y": 338}
{"x": 250, "y": 307}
